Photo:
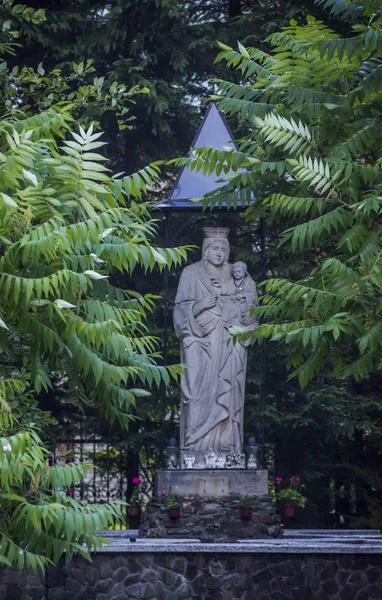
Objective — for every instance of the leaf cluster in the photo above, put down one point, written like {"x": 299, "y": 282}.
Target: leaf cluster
{"x": 65, "y": 225}
{"x": 39, "y": 522}
{"x": 292, "y": 497}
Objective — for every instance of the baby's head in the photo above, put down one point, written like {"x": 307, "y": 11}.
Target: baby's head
{"x": 239, "y": 270}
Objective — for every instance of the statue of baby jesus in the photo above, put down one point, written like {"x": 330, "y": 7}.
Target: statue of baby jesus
{"x": 238, "y": 295}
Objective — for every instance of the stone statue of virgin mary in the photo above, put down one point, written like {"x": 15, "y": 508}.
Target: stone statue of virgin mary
{"x": 212, "y": 296}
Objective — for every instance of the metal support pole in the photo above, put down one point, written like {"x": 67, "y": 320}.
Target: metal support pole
{"x": 262, "y": 347}
{"x": 165, "y": 350}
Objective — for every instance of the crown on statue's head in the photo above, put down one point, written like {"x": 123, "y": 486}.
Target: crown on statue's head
{"x": 216, "y": 232}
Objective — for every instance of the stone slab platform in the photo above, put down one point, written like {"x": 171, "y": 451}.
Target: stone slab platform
{"x": 285, "y": 545}
{"x": 246, "y": 547}
{"x": 214, "y": 482}
{"x": 371, "y": 544}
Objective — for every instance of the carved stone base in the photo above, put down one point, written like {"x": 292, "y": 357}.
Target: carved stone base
{"x": 213, "y": 519}
{"x": 214, "y": 482}
{"x": 204, "y": 460}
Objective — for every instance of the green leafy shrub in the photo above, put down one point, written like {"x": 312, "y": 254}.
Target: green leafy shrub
{"x": 65, "y": 224}
{"x": 292, "y": 497}
{"x": 39, "y": 522}
{"x": 170, "y": 500}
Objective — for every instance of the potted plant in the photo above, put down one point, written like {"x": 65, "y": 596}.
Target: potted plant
{"x": 246, "y": 507}
{"x": 171, "y": 504}
{"x": 134, "y": 509}
{"x": 290, "y": 497}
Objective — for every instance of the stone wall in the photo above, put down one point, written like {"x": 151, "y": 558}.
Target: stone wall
{"x": 213, "y": 519}
{"x": 203, "y": 576}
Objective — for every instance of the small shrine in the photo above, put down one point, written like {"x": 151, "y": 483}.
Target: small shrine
{"x": 211, "y": 477}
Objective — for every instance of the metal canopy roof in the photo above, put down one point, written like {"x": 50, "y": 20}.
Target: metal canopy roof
{"x": 214, "y": 133}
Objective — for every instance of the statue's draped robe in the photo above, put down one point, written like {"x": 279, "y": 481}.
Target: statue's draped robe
{"x": 212, "y": 389}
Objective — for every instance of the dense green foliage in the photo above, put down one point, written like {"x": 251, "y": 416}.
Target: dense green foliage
{"x": 39, "y": 521}
{"x": 166, "y": 46}
{"x": 67, "y": 225}
{"x": 313, "y": 157}
{"x": 33, "y": 89}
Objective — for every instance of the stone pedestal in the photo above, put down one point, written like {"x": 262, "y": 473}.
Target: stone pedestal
{"x": 210, "y": 506}
{"x": 214, "y": 482}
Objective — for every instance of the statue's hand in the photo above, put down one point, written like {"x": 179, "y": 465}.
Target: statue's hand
{"x": 208, "y": 302}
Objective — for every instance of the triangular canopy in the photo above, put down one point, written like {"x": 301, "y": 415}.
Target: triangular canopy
{"x": 214, "y": 133}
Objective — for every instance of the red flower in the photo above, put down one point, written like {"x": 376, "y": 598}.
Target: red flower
{"x": 136, "y": 480}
